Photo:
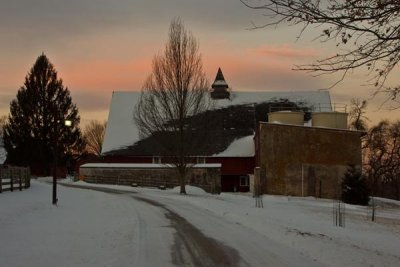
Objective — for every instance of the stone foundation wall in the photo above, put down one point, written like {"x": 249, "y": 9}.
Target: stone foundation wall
{"x": 208, "y": 179}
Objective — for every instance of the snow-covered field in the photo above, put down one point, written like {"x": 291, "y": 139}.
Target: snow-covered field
{"x": 90, "y": 228}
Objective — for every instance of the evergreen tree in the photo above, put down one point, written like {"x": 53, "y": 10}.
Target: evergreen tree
{"x": 36, "y": 132}
{"x": 354, "y": 187}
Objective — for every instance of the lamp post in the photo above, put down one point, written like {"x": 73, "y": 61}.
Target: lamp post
{"x": 67, "y": 123}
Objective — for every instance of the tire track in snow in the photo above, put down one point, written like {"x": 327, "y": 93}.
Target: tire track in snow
{"x": 191, "y": 247}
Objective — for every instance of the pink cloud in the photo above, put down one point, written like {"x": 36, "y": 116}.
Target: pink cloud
{"x": 106, "y": 74}
{"x": 255, "y": 73}
{"x": 285, "y": 51}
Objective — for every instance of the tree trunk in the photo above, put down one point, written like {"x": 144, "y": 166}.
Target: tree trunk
{"x": 55, "y": 176}
{"x": 182, "y": 180}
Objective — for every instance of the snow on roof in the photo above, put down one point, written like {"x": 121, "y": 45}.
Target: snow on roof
{"x": 309, "y": 98}
{"x": 241, "y": 147}
{"x": 144, "y": 165}
{"x": 219, "y": 82}
{"x": 122, "y": 131}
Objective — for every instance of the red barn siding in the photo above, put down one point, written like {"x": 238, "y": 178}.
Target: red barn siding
{"x": 234, "y": 166}
{"x": 231, "y": 170}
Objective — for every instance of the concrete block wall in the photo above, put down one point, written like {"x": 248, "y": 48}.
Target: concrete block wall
{"x": 306, "y": 161}
{"x": 319, "y": 180}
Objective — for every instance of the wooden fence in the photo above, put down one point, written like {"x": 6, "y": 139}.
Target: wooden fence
{"x": 14, "y": 178}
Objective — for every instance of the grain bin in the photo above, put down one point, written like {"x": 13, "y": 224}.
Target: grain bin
{"x": 286, "y": 117}
{"x": 336, "y": 120}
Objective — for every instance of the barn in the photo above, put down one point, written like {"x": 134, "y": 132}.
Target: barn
{"x": 232, "y": 150}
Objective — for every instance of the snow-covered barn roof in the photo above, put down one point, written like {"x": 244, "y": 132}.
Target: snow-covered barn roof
{"x": 122, "y": 132}
{"x": 241, "y": 147}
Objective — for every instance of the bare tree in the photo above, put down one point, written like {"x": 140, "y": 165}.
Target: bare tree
{"x": 3, "y": 120}
{"x": 93, "y": 136}
{"x": 383, "y": 159}
{"x": 174, "y": 93}
{"x": 366, "y": 32}
{"x": 358, "y": 120}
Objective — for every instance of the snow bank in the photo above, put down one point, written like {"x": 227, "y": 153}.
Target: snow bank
{"x": 385, "y": 202}
{"x": 190, "y": 190}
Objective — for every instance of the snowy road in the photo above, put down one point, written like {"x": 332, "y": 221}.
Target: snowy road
{"x": 192, "y": 248}
{"x": 116, "y": 228}
{"x": 125, "y": 226}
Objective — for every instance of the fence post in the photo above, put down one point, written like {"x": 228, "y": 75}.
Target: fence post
{"x": 28, "y": 178}
{"x": 20, "y": 179}
{"x": 1, "y": 179}
{"x": 20, "y": 176}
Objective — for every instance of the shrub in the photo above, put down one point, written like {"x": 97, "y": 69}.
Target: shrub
{"x": 354, "y": 187}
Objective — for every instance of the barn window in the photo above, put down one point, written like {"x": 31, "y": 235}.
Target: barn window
{"x": 244, "y": 180}
{"x": 156, "y": 160}
{"x": 201, "y": 160}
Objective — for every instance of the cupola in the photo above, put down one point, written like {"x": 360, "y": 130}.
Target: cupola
{"x": 220, "y": 89}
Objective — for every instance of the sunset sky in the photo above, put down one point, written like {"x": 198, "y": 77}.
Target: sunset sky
{"x": 101, "y": 46}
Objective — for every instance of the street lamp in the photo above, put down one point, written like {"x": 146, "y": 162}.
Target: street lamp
{"x": 67, "y": 123}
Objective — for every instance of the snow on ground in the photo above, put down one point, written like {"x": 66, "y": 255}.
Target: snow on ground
{"x": 87, "y": 228}
{"x": 306, "y": 225}
{"x": 95, "y": 229}
{"x": 190, "y": 190}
